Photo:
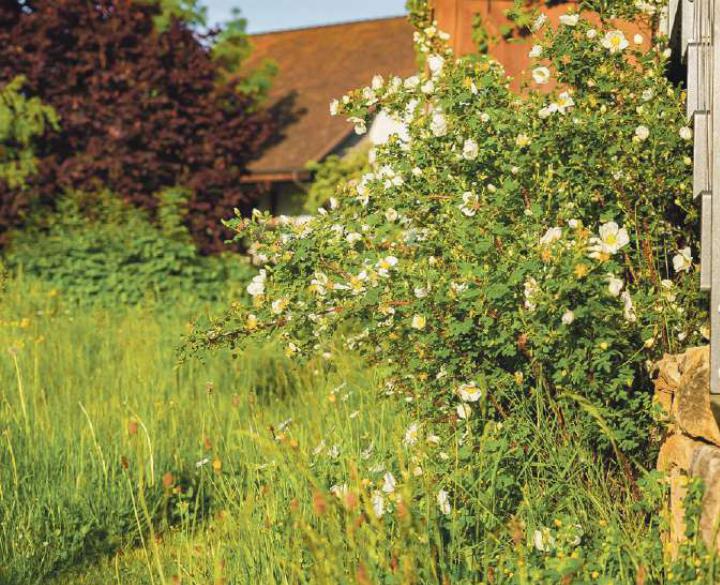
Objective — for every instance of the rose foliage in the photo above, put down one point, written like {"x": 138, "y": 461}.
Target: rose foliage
{"x": 510, "y": 246}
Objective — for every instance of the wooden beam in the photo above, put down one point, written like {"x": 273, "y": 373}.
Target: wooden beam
{"x": 702, "y": 177}
{"x": 670, "y": 18}
{"x": 712, "y": 6}
{"x": 706, "y": 242}
{"x": 688, "y": 25}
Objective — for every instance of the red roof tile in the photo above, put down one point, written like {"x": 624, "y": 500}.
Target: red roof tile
{"x": 317, "y": 65}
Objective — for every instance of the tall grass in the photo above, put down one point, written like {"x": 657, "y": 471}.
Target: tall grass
{"x": 119, "y": 466}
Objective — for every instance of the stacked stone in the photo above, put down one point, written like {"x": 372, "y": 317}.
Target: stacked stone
{"x": 691, "y": 448}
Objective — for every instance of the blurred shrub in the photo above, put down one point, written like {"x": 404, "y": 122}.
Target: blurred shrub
{"x": 96, "y": 249}
{"x": 335, "y": 174}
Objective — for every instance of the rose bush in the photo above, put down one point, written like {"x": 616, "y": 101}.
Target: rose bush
{"x": 508, "y": 245}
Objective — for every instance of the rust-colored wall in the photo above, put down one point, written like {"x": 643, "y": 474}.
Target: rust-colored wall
{"x": 456, "y": 18}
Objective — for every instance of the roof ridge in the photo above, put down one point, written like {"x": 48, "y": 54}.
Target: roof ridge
{"x": 329, "y": 25}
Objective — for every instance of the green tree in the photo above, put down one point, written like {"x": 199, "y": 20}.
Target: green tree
{"x": 191, "y": 11}
{"x": 231, "y": 51}
{"x": 22, "y": 121}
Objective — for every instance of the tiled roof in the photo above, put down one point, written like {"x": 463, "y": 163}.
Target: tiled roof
{"x": 317, "y": 65}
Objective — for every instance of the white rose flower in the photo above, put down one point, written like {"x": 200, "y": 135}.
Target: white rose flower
{"x": 547, "y": 111}
{"x": 469, "y": 392}
{"x": 522, "y": 140}
{"x": 642, "y": 133}
{"x": 378, "y": 504}
{"x": 564, "y": 102}
{"x": 377, "y": 82}
{"x": 386, "y": 264}
{"x": 360, "y": 125}
{"x": 411, "y": 82}
{"x": 279, "y": 305}
{"x": 369, "y": 96}
{"x": 339, "y": 490}
{"x": 411, "y": 434}
{"x": 686, "y": 133}
{"x": 543, "y": 540}
{"x": 646, "y": 7}
{"x": 551, "y": 236}
{"x": 334, "y": 107}
{"x": 615, "y": 41}
{"x": 428, "y": 87}
{"x": 418, "y": 322}
{"x": 615, "y": 285}
{"x": 591, "y": 33}
{"x": 629, "y": 308}
{"x": 319, "y": 284}
{"x": 389, "y": 483}
{"x": 463, "y": 411}
{"x": 391, "y": 215}
{"x": 251, "y": 323}
{"x": 612, "y": 239}
{"x": 569, "y": 19}
{"x": 539, "y": 22}
{"x": 682, "y": 261}
{"x": 568, "y": 317}
{"x": 535, "y": 52}
{"x": 438, "y": 125}
{"x": 435, "y": 64}
{"x": 541, "y": 75}
{"x": 668, "y": 291}
{"x": 256, "y": 287}
{"x": 443, "y": 500}
{"x": 531, "y": 289}
{"x": 470, "y": 149}
{"x": 470, "y": 204}
{"x": 421, "y": 292}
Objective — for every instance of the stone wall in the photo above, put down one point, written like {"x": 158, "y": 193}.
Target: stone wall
{"x": 692, "y": 446}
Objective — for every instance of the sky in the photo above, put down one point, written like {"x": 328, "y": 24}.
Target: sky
{"x": 264, "y": 15}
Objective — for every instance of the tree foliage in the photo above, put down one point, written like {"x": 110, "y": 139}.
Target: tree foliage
{"x": 22, "y": 121}
{"x": 231, "y": 50}
{"x": 141, "y": 109}
{"x": 189, "y": 11}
